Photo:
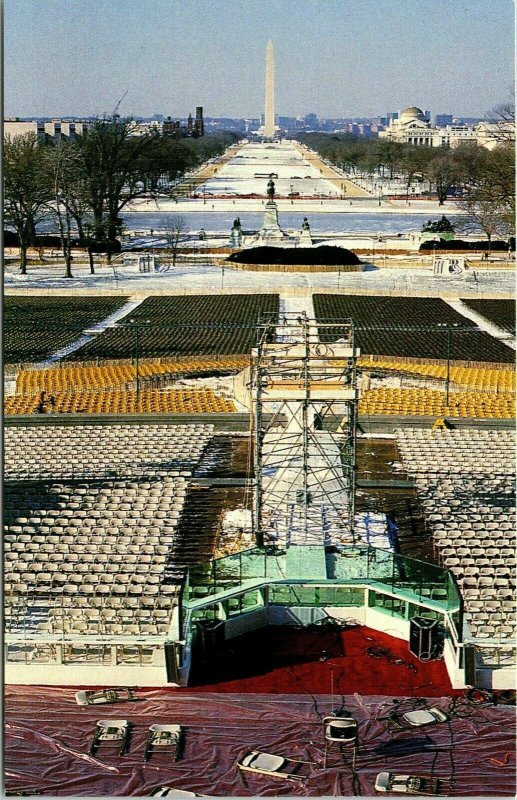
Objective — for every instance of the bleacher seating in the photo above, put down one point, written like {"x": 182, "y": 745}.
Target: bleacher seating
{"x": 115, "y": 401}
{"x": 92, "y": 558}
{"x": 428, "y": 402}
{"x": 489, "y": 380}
{"x": 95, "y": 555}
{"x": 465, "y": 480}
{"x": 37, "y": 326}
{"x": 118, "y": 375}
{"x": 61, "y": 451}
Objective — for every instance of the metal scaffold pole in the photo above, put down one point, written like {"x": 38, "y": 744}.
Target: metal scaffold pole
{"x": 305, "y": 399}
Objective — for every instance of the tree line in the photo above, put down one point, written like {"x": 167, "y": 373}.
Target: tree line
{"x": 483, "y": 180}
{"x": 84, "y": 184}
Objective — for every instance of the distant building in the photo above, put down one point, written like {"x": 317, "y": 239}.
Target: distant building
{"x": 199, "y": 125}
{"x": 287, "y": 122}
{"x": 412, "y": 127}
{"x": 461, "y": 134}
{"x": 311, "y": 120}
{"x": 441, "y": 120}
{"x": 492, "y": 134}
{"x": 171, "y": 127}
{"x": 17, "y": 127}
{"x": 195, "y": 127}
{"x": 55, "y": 130}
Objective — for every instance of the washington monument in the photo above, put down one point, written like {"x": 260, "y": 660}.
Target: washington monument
{"x": 269, "y": 117}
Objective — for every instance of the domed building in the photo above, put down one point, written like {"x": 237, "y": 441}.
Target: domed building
{"x": 412, "y": 113}
{"x": 412, "y": 127}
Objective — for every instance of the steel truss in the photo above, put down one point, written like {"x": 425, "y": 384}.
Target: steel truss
{"x": 304, "y": 428}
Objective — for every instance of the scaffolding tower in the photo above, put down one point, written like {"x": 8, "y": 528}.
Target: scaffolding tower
{"x": 304, "y": 389}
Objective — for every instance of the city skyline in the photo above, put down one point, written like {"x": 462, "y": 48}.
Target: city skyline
{"x": 348, "y": 58}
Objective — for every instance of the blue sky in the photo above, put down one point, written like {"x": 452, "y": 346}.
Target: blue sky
{"x": 334, "y": 57}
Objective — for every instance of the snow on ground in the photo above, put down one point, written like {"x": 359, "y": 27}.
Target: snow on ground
{"x": 248, "y": 172}
{"x": 483, "y": 323}
{"x": 221, "y": 385}
{"x": 236, "y": 528}
{"x": 90, "y": 333}
{"x": 371, "y": 528}
{"x": 206, "y": 278}
{"x": 237, "y": 518}
{"x": 240, "y": 175}
{"x": 366, "y": 205}
{"x": 291, "y": 304}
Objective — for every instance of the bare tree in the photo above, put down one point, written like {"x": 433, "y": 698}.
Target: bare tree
{"x": 443, "y": 173}
{"x": 63, "y": 173}
{"x": 26, "y": 189}
{"x": 174, "y": 230}
{"x": 111, "y": 162}
{"x": 482, "y": 213}
{"x": 489, "y": 200}
{"x": 503, "y": 129}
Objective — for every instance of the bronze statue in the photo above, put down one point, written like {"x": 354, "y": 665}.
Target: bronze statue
{"x": 305, "y": 224}
{"x": 271, "y": 189}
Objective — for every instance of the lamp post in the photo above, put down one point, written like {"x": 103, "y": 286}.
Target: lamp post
{"x": 135, "y": 324}
{"x": 449, "y": 328}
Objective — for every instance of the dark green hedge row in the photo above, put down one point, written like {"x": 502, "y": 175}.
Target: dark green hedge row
{"x": 11, "y": 240}
{"x": 460, "y": 244}
{"x": 325, "y": 255}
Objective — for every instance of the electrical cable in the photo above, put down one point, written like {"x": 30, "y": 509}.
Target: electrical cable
{"x": 383, "y": 652}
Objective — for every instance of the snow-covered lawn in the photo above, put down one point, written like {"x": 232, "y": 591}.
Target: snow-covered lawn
{"x": 239, "y": 177}
{"x": 205, "y": 277}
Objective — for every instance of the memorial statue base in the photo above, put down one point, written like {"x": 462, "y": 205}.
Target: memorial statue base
{"x": 270, "y": 231}
{"x": 305, "y": 239}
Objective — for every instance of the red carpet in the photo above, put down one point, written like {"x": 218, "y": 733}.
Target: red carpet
{"x": 290, "y": 661}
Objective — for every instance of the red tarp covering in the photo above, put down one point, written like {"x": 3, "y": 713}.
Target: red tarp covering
{"x": 47, "y": 738}
{"x": 288, "y": 661}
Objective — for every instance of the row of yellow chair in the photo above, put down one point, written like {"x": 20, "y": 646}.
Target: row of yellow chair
{"x": 173, "y": 401}
{"x": 429, "y": 402}
{"x": 77, "y": 377}
{"x": 502, "y": 380}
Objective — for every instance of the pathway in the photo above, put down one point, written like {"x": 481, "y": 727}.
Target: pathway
{"x": 331, "y": 174}
{"x": 485, "y": 325}
{"x": 90, "y": 333}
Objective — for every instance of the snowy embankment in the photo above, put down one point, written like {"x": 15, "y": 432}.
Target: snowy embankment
{"x": 89, "y": 334}
{"x": 485, "y": 325}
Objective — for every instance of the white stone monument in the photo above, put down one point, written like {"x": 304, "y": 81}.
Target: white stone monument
{"x": 271, "y": 232}
{"x": 269, "y": 111}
